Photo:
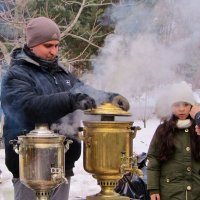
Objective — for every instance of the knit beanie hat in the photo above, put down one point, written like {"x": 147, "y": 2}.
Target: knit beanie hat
{"x": 178, "y": 92}
{"x": 40, "y": 30}
{"x": 181, "y": 92}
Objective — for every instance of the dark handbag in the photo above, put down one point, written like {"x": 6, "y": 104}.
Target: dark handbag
{"x": 133, "y": 186}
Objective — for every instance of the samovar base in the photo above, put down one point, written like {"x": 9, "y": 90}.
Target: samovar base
{"x": 43, "y": 194}
{"x": 102, "y": 197}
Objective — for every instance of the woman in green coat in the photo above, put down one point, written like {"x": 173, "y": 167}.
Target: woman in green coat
{"x": 173, "y": 171}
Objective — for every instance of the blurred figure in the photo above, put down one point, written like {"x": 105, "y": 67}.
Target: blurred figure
{"x": 195, "y": 114}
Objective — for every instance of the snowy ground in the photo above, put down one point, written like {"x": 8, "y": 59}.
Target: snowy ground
{"x": 82, "y": 184}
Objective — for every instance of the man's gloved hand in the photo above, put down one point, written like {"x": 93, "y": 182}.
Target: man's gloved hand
{"x": 83, "y": 102}
{"x": 121, "y": 102}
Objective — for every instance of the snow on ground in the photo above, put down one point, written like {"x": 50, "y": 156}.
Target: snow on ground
{"x": 6, "y": 190}
{"x": 143, "y": 137}
{"x": 82, "y": 184}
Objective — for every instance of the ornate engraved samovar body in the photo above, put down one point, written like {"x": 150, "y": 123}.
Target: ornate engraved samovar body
{"x": 41, "y": 159}
{"x": 107, "y": 152}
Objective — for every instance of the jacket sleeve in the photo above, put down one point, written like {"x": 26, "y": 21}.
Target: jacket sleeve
{"x": 19, "y": 97}
{"x": 153, "y": 167}
{"x": 100, "y": 96}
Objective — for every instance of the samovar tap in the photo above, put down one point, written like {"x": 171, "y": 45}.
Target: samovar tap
{"x": 15, "y": 144}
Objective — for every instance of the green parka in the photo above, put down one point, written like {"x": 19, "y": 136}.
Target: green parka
{"x": 179, "y": 177}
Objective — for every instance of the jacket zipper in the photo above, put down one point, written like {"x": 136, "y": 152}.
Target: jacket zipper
{"x": 55, "y": 80}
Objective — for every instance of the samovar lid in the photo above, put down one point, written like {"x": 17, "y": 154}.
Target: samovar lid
{"x": 107, "y": 109}
{"x": 41, "y": 130}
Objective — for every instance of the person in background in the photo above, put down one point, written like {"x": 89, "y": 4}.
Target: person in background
{"x": 173, "y": 169}
{"x": 195, "y": 114}
{"x": 38, "y": 89}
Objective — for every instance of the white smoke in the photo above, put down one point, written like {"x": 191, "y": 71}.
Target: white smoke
{"x": 155, "y": 42}
{"x": 70, "y": 124}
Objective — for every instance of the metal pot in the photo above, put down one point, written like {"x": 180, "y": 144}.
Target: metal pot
{"x": 42, "y": 159}
{"x": 108, "y": 149}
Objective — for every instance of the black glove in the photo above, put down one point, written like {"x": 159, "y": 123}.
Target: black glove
{"x": 83, "y": 102}
{"x": 121, "y": 102}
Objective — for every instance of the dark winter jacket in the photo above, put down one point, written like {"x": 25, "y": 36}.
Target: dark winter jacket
{"x": 179, "y": 177}
{"x": 37, "y": 91}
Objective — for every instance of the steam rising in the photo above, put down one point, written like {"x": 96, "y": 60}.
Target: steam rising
{"x": 156, "y": 42}
{"x": 69, "y": 124}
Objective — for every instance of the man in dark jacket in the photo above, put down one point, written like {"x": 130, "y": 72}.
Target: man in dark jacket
{"x": 37, "y": 89}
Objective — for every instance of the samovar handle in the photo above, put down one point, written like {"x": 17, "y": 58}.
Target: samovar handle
{"x": 84, "y": 137}
{"x": 80, "y": 133}
{"x": 15, "y": 144}
{"x": 134, "y": 130}
{"x": 68, "y": 142}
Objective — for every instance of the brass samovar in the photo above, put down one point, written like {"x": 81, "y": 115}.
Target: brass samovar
{"x": 41, "y": 159}
{"x": 107, "y": 152}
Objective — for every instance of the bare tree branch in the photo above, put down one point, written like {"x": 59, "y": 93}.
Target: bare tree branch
{"x": 81, "y": 38}
{"x": 14, "y": 17}
{"x": 3, "y": 48}
{"x": 69, "y": 28}
{"x": 80, "y": 60}
{"x": 4, "y": 51}
{"x": 83, "y": 5}
{"x": 77, "y": 57}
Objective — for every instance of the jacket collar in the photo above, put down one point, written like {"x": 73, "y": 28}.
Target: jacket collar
{"x": 24, "y": 54}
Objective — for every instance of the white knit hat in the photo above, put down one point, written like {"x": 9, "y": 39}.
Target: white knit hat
{"x": 179, "y": 92}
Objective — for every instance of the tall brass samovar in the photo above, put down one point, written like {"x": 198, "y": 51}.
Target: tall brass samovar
{"x": 107, "y": 152}
{"x": 41, "y": 160}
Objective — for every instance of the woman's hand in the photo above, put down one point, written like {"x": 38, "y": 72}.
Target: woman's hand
{"x": 155, "y": 197}
{"x": 197, "y": 129}
{"x": 194, "y": 110}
